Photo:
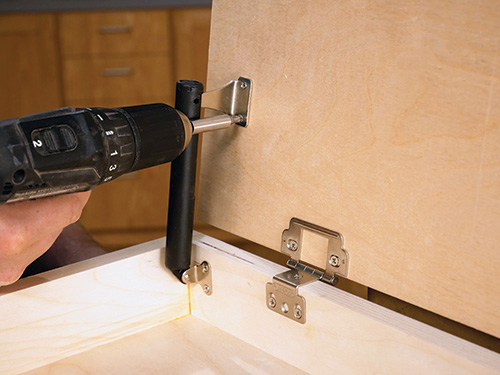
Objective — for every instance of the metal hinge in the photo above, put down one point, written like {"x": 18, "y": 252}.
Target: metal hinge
{"x": 283, "y": 292}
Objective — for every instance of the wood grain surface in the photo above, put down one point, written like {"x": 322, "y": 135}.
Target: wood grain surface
{"x": 185, "y": 346}
{"x": 29, "y": 65}
{"x": 118, "y": 313}
{"x": 138, "y": 32}
{"x": 376, "y": 119}
{"x": 343, "y": 334}
{"x": 63, "y": 312}
{"x": 118, "y": 78}
{"x": 191, "y": 30}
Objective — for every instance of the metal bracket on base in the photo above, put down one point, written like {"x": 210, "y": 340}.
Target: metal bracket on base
{"x": 199, "y": 274}
{"x": 282, "y": 293}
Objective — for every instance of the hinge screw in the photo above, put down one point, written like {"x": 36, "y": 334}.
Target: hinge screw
{"x": 243, "y": 85}
{"x": 205, "y": 268}
{"x": 297, "y": 312}
{"x": 206, "y": 288}
{"x": 272, "y": 301}
{"x": 292, "y": 245}
{"x": 334, "y": 261}
{"x": 186, "y": 276}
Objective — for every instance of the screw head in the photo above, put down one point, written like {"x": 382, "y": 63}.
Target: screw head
{"x": 271, "y": 301}
{"x": 297, "y": 312}
{"x": 186, "y": 276}
{"x": 334, "y": 261}
{"x": 206, "y": 288}
{"x": 292, "y": 245}
{"x": 205, "y": 268}
{"x": 243, "y": 85}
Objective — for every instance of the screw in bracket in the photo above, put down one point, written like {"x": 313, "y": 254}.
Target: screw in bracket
{"x": 334, "y": 261}
{"x": 271, "y": 301}
{"x": 297, "y": 312}
{"x": 292, "y": 245}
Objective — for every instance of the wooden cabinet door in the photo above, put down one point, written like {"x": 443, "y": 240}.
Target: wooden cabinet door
{"x": 376, "y": 119}
{"x": 29, "y": 65}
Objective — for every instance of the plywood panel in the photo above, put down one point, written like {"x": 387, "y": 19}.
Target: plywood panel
{"x": 185, "y": 346}
{"x": 375, "y": 119}
{"x": 343, "y": 334}
{"x": 69, "y": 310}
{"x": 104, "y": 316}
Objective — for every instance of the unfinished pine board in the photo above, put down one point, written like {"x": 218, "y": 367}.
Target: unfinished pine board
{"x": 74, "y": 308}
{"x": 376, "y": 119}
{"x": 185, "y": 346}
{"x": 343, "y": 334}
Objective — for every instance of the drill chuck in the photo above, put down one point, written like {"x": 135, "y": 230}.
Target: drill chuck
{"x": 70, "y": 150}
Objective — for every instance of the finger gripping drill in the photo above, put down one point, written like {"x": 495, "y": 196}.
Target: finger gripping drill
{"x": 69, "y": 150}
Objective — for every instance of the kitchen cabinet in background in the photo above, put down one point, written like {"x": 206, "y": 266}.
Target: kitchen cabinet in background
{"x": 106, "y": 59}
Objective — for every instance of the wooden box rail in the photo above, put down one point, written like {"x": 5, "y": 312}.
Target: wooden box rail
{"x": 124, "y": 312}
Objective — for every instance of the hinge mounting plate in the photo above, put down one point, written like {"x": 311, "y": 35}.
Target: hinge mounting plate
{"x": 199, "y": 274}
{"x": 337, "y": 259}
{"x": 282, "y": 293}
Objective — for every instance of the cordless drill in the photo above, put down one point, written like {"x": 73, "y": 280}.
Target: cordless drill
{"x": 70, "y": 150}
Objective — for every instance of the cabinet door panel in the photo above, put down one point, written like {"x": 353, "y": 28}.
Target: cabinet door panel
{"x": 376, "y": 119}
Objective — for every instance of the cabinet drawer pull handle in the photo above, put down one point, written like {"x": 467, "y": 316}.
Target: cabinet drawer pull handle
{"x": 110, "y": 72}
{"x": 115, "y": 29}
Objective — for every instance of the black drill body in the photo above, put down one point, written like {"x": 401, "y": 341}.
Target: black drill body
{"x": 70, "y": 150}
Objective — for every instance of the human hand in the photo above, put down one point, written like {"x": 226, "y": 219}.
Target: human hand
{"x": 28, "y": 229}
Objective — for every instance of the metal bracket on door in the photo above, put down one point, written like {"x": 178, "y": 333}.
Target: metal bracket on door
{"x": 337, "y": 258}
{"x": 232, "y": 99}
{"x": 282, "y": 294}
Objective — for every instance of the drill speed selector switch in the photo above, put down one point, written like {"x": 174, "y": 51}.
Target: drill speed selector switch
{"x": 57, "y": 138}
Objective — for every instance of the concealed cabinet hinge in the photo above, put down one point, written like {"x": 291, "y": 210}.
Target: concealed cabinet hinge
{"x": 283, "y": 292}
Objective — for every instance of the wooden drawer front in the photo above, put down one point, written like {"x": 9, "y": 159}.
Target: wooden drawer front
{"x": 117, "y": 78}
{"x": 106, "y": 33}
